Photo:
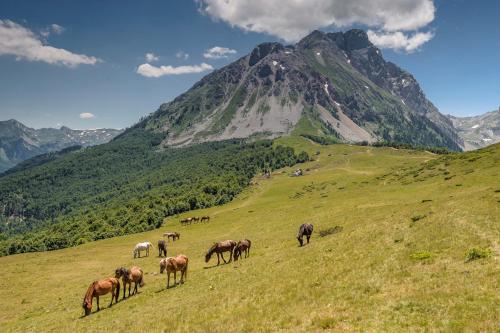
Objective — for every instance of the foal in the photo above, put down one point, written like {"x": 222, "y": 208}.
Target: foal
{"x": 242, "y": 246}
{"x": 219, "y": 248}
{"x": 100, "y": 288}
{"x": 174, "y": 264}
{"x": 128, "y": 276}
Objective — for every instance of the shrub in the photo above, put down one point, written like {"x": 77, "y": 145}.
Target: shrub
{"x": 477, "y": 253}
{"x": 421, "y": 255}
{"x": 330, "y": 231}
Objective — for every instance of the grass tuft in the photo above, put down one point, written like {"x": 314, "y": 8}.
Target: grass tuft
{"x": 421, "y": 255}
{"x": 476, "y": 253}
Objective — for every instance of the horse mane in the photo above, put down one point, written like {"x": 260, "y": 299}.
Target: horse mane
{"x": 90, "y": 292}
{"x": 211, "y": 250}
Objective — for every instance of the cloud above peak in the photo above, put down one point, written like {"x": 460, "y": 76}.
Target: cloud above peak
{"x": 292, "y": 20}
{"x": 22, "y": 43}
{"x": 218, "y": 52}
{"x": 399, "y": 41}
{"x": 87, "y": 115}
{"x": 151, "y": 57}
{"x": 148, "y": 70}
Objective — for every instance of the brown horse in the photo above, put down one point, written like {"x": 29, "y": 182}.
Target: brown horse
{"x": 242, "y": 246}
{"x": 196, "y": 219}
{"x": 187, "y": 220}
{"x": 174, "y": 264}
{"x": 205, "y": 218}
{"x": 100, "y": 288}
{"x": 219, "y": 248}
{"x": 162, "y": 248}
{"x": 305, "y": 229}
{"x": 174, "y": 235}
{"x": 128, "y": 276}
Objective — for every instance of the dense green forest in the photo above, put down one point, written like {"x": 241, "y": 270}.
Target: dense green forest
{"x": 128, "y": 185}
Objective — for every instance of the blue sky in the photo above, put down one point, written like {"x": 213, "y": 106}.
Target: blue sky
{"x": 91, "y": 79}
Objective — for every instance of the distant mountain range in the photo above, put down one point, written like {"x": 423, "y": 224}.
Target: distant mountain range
{"x": 328, "y": 84}
{"x": 479, "y": 131}
{"x": 19, "y": 142}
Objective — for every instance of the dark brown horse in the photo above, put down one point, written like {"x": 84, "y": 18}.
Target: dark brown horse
{"x": 219, "y": 248}
{"x": 100, "y": 288}
{"x": 128, "y": 276}
{"x": 305, "y": 229}
{"x": 187, "y": 220}
{"x": 242, "y": 246}
{"x": 174, "y": 235}
{"x": 162, "y": 248}
{"x": 205, "y": 218}
{"x": 196, "y": 219}
{"x": 174, "y": 264}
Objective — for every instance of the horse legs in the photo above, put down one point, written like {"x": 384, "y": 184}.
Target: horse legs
{"x": 135, "y": 287}
{"x": 308, "y": 236}
{"x": 168, "y": 280}
{"x": 124, "y": 287}
{"x": 129, "y": 286}
{"x": 112, "y": 296}
{"x": 231, "y": 254}
{"x": 222, "y": 255}
{"x": 98, "y": 308}
{"x": 218, "y": 259}
{"x": 175, "y": 277}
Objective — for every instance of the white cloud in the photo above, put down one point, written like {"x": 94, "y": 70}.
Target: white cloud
{"x": 52, "y": 29}
{"x": 218, "y": 52}
{"x": 292, "y": 20}
{"x": 153, "y": 71}
{"x": 182, "y": 55}
{"x": 87, "y": 115}
{"x": 151, "y": 57}
{"x": 22, "y": 43}
{"x": 399, "y": 41}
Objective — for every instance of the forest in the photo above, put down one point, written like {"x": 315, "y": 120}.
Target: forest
{"x": 126, "y": 186}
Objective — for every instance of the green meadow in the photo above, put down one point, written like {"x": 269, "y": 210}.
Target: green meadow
{"x": 404, "y": 241}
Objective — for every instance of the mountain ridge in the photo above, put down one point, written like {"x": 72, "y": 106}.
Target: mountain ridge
{"x": 339, "y": 82}
{"x": 19, "y": 142}
{"x": 478, "y": 131}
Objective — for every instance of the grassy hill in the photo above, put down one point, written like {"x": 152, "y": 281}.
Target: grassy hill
{"x": 407, "y": 218}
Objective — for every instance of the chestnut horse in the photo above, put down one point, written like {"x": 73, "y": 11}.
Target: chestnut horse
{"x": 187, "y": 220}
{"x": 162, "y": 248}
{"x": 205, "y": 218}
{"x": 219, "y": 248}
{"x": 242, "y": 246}
{"x": 174, "y": 235}
{"x": 174, "y": 264}
{"x": 100, "y": 288}
{"x": 305, "y": 229}
{"x": 128, "y": 276}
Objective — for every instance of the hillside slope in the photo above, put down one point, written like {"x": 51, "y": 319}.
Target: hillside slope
{"x": 479, "y": 131}
{"x": 338, "y": 82}
{"x": 407, "y": 220}
{"x": 19, "y": 142}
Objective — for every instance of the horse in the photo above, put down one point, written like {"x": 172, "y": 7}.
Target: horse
{"x": 128, "y": 276}
{"x": 162, "y": 248}
{"x": 174, "y": 235}
{"x": 141, "y": 247}
{"x": 205, "y": 218}
{"x": 100, "y": 288}
{"x": 174, "y": 264}
{"x": 187, "y": 220}
{"x": 196, "y": 219}
{"x": 242, "y": 246}
{"x": 219, "y": 248}
{"x": 305, "y": 229}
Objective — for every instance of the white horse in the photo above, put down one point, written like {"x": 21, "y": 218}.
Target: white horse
{"x": 141, "y": 247}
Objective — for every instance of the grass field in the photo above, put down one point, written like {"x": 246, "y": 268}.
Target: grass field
{"x": 397, "y": 264}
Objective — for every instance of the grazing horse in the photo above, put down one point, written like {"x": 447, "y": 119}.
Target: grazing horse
{"x": 187, "y": 220}
{"x": 174, "y": 264}
{"x": 305, "y": 229}
{"x": 142, "y": 247}
{"x": 242, "y": 246}
{"x": 100, "y": 288}
{"x": 162, "y": 248}
{"x": 196, "y": 219}
{"x": 219, "y": 248}
{"x": 205, "y": 218}
{"x": 128, "y": 276}
{"x": 174, "y": 235}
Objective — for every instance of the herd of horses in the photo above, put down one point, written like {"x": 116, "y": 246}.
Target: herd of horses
{"x": 189, "y": 220}
{"x": 170, "y": 265}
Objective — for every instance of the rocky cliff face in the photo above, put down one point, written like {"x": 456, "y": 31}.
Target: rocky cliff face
{"x": 479, "y": 131}
{"x": 19, "y": 142}
{"x": 332, "y": 84}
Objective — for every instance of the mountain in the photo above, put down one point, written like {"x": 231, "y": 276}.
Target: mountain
{"x": 327, "y": 85}
{"x": 479, "y": 131}
{"x": 19, "y": 142}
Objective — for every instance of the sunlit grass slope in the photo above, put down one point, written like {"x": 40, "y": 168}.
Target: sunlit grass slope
{"x": 398, "y": 264}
